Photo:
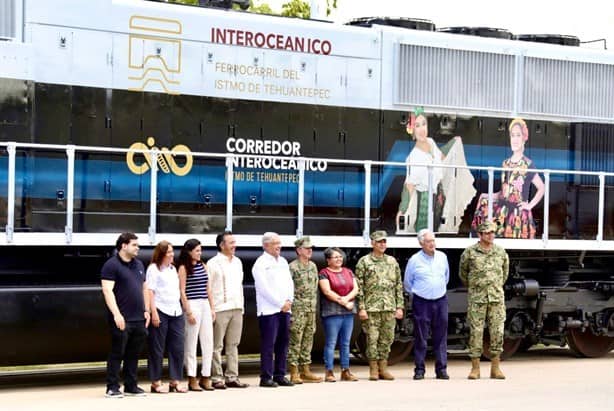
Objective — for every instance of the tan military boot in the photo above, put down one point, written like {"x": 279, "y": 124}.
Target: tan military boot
{"x": 373, "y": 374}
{"x": 346, "y": 375}
{"x": 495, "y": 371}
{"x": 329, "y": 376}
{"x": 384, "y": 374}
{"x": 294, "y": 375}
{"x": 307, "y": 375}
{"x": 475, "y": 369}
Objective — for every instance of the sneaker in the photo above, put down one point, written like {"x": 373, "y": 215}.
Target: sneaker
{"x": 135, "y": 392}
{"x": 114, "y": 393}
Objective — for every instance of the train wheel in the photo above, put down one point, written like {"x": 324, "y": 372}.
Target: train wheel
{"x": 510, "y": 346}
{"x": 398, "y": 351}
{"x": 587, "y": 344}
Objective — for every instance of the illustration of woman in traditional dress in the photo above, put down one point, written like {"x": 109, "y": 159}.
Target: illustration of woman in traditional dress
{"x": 452, "y": 188}
{"x": 511, "y": 206}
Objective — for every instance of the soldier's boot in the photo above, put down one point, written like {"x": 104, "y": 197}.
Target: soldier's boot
{"x": 373, "y": 370}
{"x": 294, "y": 375}
{"x": 307, "y": 375}
{"x": 475, "y": 369}
{"x": 346, "y": 375}
{"x": 384, "y": 374}
{"x": 329, "y": 376}
{"x": 495, "y": 371}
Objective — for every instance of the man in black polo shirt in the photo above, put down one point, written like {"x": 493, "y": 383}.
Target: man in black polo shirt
{"x": 125, "y": 295}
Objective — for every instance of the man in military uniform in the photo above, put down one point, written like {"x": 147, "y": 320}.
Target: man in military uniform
{"x": 380, "y": 302}
{"x": 303, "y": 327}
{"x": 483, "y": 269}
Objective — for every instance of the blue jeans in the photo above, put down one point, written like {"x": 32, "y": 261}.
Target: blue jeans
{"x": 338, "y": 327}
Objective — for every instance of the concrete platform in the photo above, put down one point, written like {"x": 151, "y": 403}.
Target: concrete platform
{"x": 538, "y": 380}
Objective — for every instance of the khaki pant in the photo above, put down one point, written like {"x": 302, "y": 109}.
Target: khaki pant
{"x": 226, "y": 335}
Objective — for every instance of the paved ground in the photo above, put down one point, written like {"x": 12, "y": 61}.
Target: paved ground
{"x": 538, "y": 380}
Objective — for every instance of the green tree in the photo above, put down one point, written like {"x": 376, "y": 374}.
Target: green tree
{"x": 260, "y": 8}
{"x": 293, "y": 8}
{"x": 330, "y": 5}
{"x": 296, "y": 8}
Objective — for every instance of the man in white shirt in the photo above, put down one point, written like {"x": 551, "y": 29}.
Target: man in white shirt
{"x": 226, "y": 285}
{"x": 274, "y": 295}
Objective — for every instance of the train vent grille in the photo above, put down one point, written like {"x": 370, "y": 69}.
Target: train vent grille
{"x": 451, "y": 78}
{"x": 7, "y": 19}
{"x": 568, "y": 88}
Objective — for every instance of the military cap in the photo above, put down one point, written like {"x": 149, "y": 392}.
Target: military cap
{"x": 487, "y": 226}
{"x": 303, "y": 242}
{"x": 378, "y": 235}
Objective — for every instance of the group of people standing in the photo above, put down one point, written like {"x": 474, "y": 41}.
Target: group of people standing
{"x": 287, "y": 296}
{"x": 483, "y": 269}
{"x": 173, "y": 309}
{"x": 198, "y": 301}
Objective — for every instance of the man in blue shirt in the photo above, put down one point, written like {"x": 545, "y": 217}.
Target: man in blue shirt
{"x": 126, "y": 297}
{"x": 426, "y": 278}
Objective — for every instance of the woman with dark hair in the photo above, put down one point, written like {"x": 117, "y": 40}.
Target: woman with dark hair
{"x": 452, "y": 188}
{"x": 339, "y": 288}
{"x": 200, "y": 314}
{"x": 167, "y": 325}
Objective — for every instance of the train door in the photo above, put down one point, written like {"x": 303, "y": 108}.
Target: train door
{"x": 16, "y": 118}
{"x": 329, "y": 186}
{"x": 91, "y": 126}
{"x": 128, "y": 182}
{"x": 44, "y": 171}
{"x": 361, "y": 130}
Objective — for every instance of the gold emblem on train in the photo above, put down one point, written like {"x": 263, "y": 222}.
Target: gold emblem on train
{"x": 165, "y": 158}
{"x": 154, "y": 58}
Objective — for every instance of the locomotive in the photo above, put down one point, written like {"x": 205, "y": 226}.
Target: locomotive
{"x": 175, "y": 121}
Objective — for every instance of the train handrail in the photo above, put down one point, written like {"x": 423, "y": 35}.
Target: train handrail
{"x": 71, "y": 150}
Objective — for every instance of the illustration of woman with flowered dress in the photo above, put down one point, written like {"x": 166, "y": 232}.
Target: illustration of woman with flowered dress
{"x": 512, "y": 210}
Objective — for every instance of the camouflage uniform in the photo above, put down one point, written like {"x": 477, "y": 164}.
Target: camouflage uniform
{"x": 484, "y": 273}
{"x": 303, "y": 325}
{"x": 380, "y": 294}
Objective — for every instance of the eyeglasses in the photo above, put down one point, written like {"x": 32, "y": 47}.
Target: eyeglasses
{"x": 487, "y": 232}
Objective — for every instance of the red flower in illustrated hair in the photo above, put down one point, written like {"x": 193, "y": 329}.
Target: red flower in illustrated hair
{"x": 411, "y": 123}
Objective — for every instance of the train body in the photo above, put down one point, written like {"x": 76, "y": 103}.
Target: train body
{"x": 175, "y": 122}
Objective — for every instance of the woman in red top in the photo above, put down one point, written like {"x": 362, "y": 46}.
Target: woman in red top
{"x": 339, "y": 288}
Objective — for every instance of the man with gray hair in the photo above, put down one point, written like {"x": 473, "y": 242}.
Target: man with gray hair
{"x": 426, "y": 278}
{"x": 274, "y": 296}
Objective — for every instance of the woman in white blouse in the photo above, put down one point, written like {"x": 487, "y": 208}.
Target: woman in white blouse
{"x": 413, "y": 208}
{"x": 167, "y": 323}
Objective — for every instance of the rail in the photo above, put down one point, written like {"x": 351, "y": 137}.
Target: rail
{"x": 71, "y": 150}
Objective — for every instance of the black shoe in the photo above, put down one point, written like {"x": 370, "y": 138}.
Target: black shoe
{"x": 268, "y": 383}
{"x": 418, "y": 376}
{"x": 219, "y": 385}
{"x": 442, "y": 375}
{"x": 284, "y": 382}
{"x": 135, "y": 392}
{"x": 114, "y": 393}
{"x": 236, "y": 384}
